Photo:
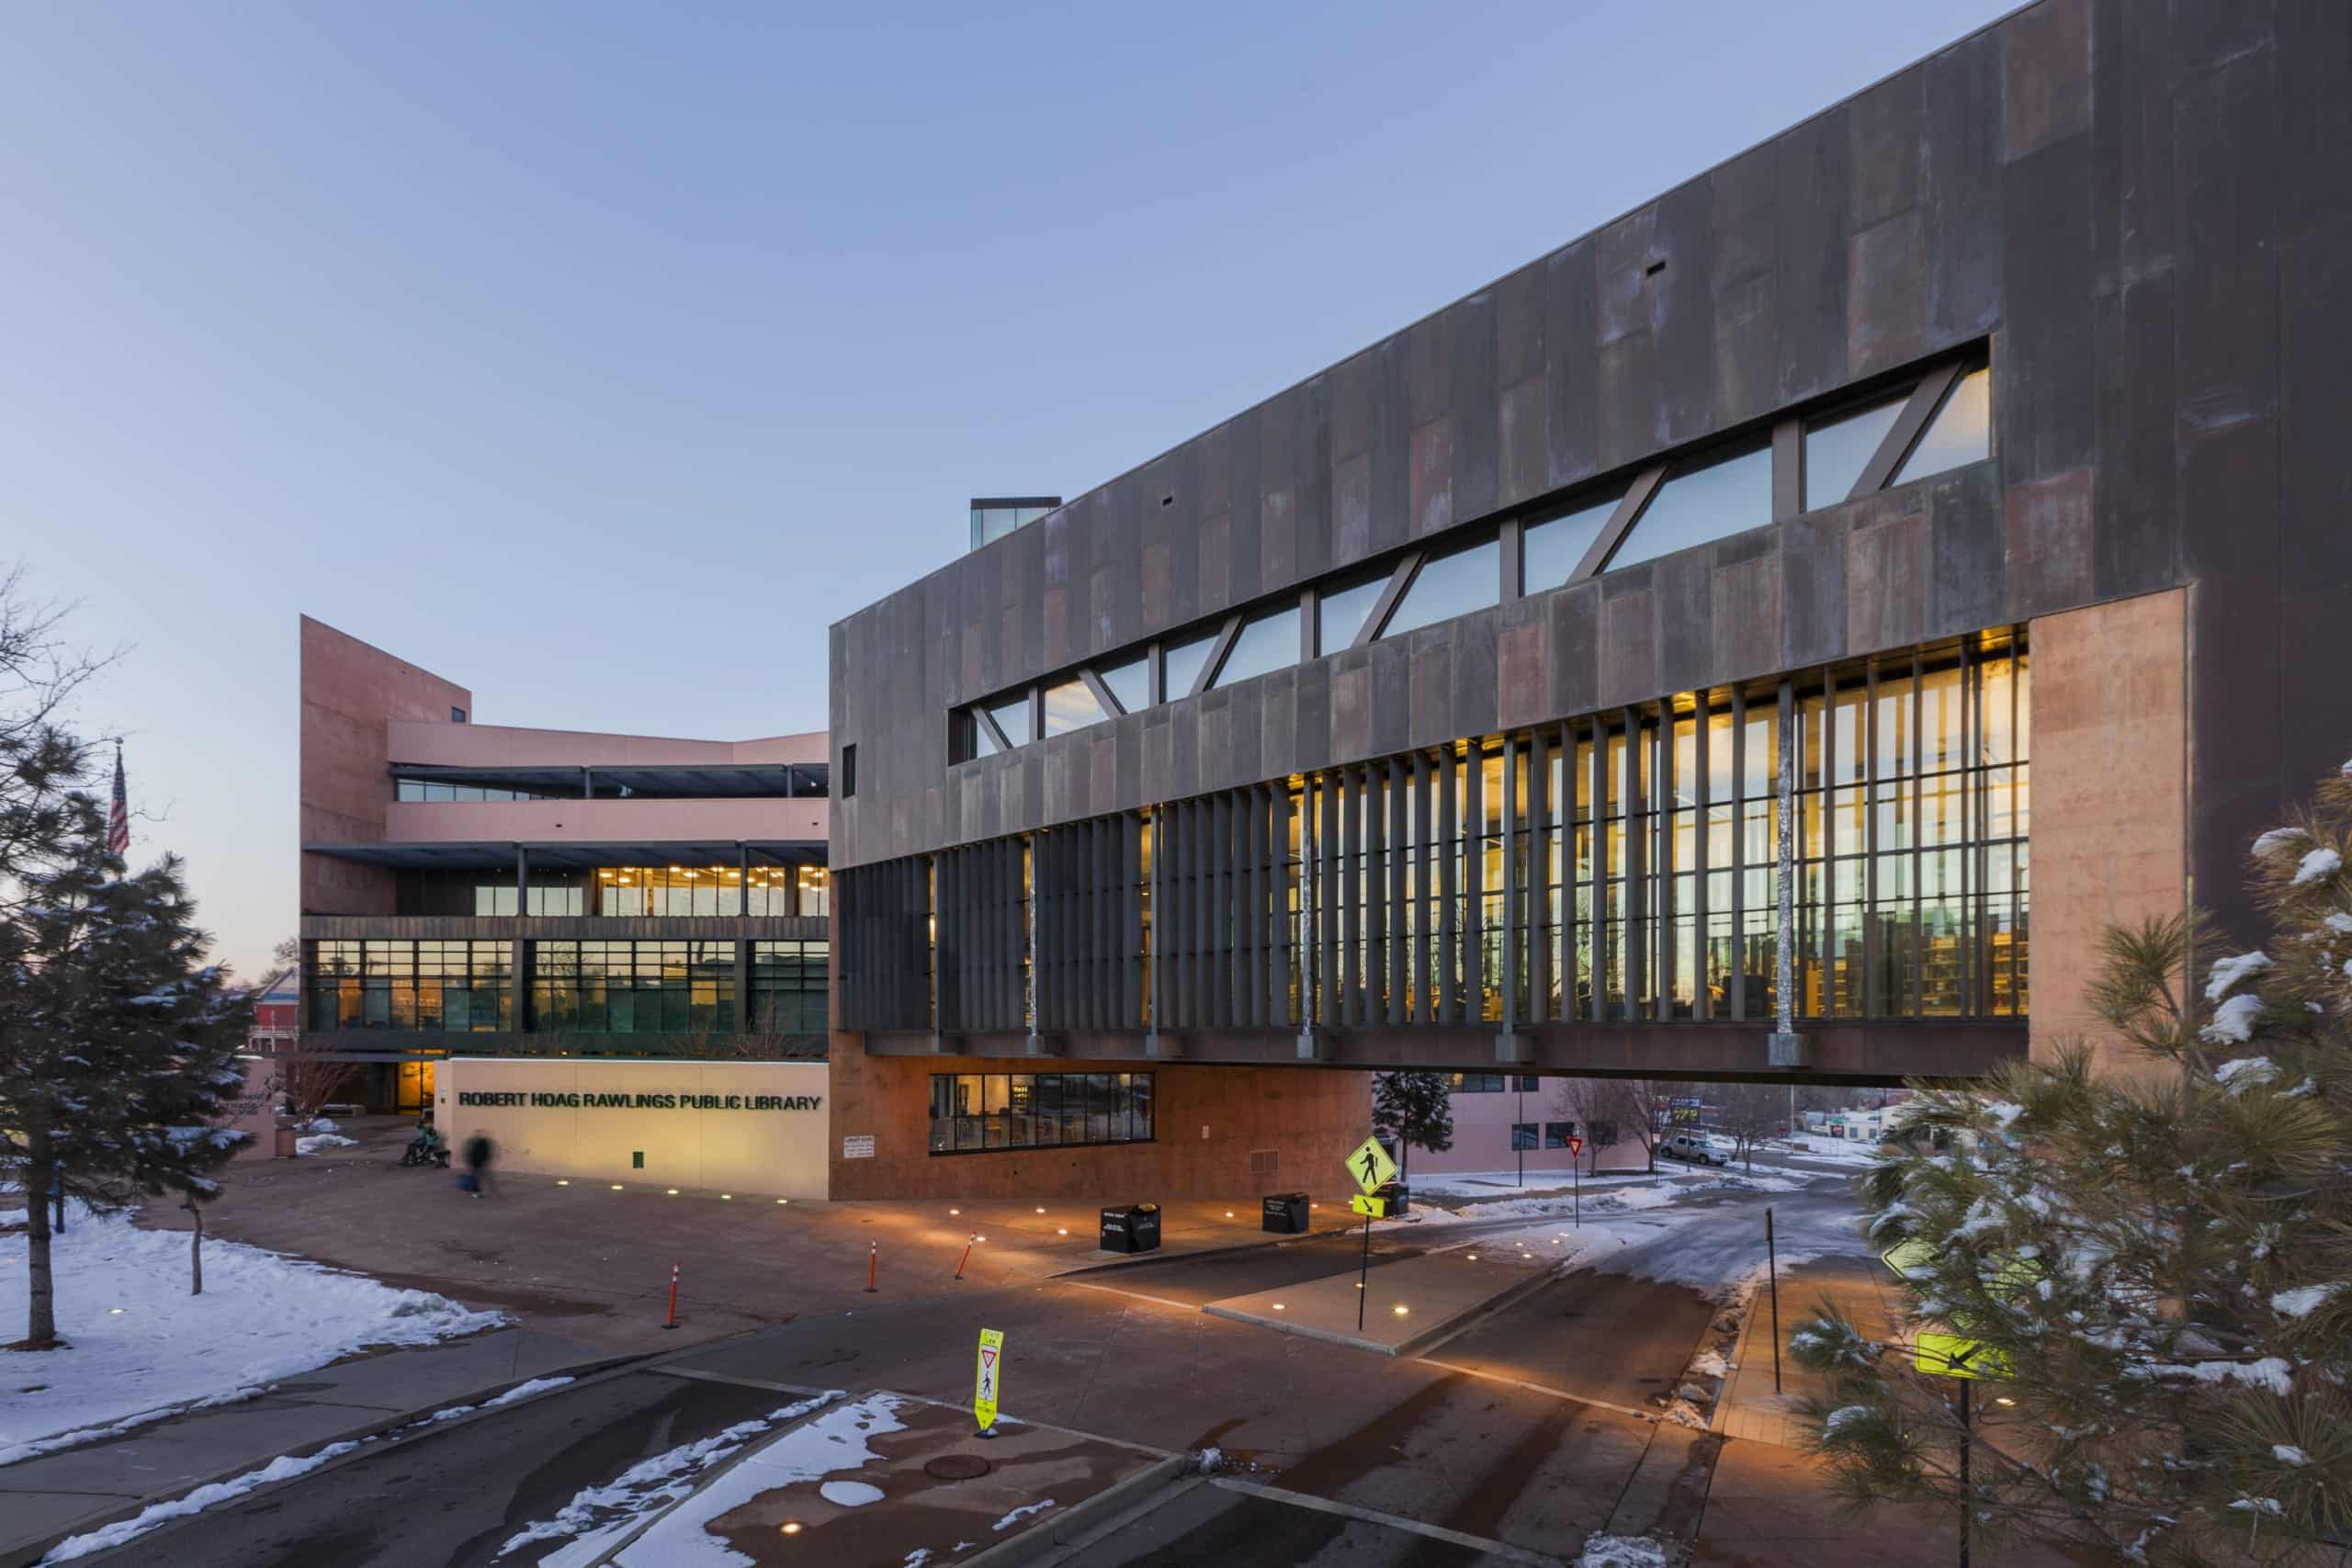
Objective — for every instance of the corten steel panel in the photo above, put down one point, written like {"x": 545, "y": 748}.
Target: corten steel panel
{"x": 2143, "y": 214}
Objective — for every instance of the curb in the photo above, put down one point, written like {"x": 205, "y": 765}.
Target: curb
{"x": 1225, "y": 1250}
{"x": 23, "y": 1555}
{"x": 1075, "y": 1520}
{"x": 1413, "y": 1344}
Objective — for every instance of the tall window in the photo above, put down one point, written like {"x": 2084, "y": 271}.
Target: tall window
{"x": 682, "y": 890}
{"x": 978, "y": 1112}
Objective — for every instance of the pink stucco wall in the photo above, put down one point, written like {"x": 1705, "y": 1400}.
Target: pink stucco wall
{"x": 593, "y": 821}
{"x": 505, "y": 746}
{"x": 1482, "y": 1137}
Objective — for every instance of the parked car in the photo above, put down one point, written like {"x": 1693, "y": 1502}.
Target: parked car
{"x": 1697, "y": 1148}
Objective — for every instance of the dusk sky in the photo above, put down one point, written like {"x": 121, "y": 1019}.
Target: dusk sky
{"x": 597, "y": 357}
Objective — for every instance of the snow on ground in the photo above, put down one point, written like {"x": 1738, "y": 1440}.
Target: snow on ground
{"x": 1492, "y": 1183}
{"x": 833, "y": 1442}
{"x": 597, "y": 1517}
{"x": 1839, "y": 1151}
{"x": 140, "y": 1347}
{"x": 283, "y": 1468}
{"x": 318, "y": 1141}
{"x": 1654, "y": 1192}
{"x": 1620, "y": 1552}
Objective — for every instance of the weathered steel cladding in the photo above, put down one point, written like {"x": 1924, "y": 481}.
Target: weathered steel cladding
{"x": 2148, "y": 209}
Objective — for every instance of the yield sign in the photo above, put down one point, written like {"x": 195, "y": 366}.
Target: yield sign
{"x": 1576, "y": 1145}
{"x": 1370, "y": 1165}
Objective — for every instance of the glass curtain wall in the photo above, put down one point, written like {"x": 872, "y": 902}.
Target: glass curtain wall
{"x": 447, "y": 986}
{"x": 633, "y": 988}
{"x": 679, "y": 890}
{"x": 788, "y": 987}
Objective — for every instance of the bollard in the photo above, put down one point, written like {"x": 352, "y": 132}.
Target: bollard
{"x": 673, "y": 1298}
{"x": 966, "y": 1259}
{"x": 873, "y": 1254}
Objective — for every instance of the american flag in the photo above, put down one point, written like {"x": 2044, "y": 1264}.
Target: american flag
{"x": 119, "y": 813}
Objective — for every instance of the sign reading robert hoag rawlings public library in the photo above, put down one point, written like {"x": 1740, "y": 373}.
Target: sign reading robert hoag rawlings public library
{"x": 648, "y": 1125}
{"x": 594, "y": 1101}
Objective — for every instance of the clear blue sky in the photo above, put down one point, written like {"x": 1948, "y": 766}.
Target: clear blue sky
{"x": 596, "y": 357}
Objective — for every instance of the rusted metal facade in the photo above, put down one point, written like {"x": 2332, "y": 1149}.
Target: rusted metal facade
{"x": 2140, "y": 216}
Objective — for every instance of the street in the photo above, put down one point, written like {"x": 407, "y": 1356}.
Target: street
{"x": 1526, "y": 1432}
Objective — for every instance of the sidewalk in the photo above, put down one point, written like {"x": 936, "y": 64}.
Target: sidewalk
{"x": 78, "y": 1489}
{"x": 1859, "y": 1286}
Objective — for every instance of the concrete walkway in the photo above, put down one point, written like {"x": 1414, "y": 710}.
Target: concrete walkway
{"x": 1862, "y": 1288}
{"x": 64, "y": 1493}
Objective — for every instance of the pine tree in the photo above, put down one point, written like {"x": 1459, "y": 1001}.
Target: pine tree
{"x": 117, "y": 1042}
{"x": 2161, "y": 1264}
{"x": 1415, "y": 1110}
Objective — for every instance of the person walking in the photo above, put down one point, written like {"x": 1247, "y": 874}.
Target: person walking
{"x": 479, "y": 1154}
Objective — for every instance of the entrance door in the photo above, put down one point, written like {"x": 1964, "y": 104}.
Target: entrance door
{"x": 412, "y": 1088}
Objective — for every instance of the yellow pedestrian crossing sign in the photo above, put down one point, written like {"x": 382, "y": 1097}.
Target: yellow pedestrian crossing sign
{"x": 1955, "y": 1356}
{"x": 991, "y": 1368}
{"x": 1370, "y": 1165}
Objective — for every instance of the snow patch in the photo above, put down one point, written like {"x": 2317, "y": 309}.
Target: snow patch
{"x": 2303, "y": 1300}
{"x": 2317, "y": 865}
{"x": 2288, "y": 1453}
{"x": 829, "y": 1445}
{"x": 2230, "y": 971}
{"x": 2233, "y": 1021}
{"x": 196, "y": 1502}
{"x": 850, "y": 1493}
{"x": 2278, "y": 839}
{"x": 313, "y": 1143}
{"x": 1620, "y": 1552}
{"x": 264, "y": 1317}
{"x": 1021, "y": 1513}
{"x": 1207, "y": 1460}
{"x": 598, "y": 1516}
{"x": 1708, "y": 1364}
{"x": 2245, "y": 1073}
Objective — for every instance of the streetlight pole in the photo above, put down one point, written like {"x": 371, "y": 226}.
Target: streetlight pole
{"x": 1519, "y": 1120}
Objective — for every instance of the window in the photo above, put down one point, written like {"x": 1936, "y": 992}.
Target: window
{"x": 456, "y": 715}
{"x": 644, "y": 891}
{"x": 1130, "y": 683}
{"x": 1476, "y": 1083}
{"x": 1523, "y": 1135}
{"x": 459, "y": 987}
{"x": 1267, "y": 643}
{"x": 1960, "y": 432}
{"x": 812, "y": 889}
{"x": 849, "y": 770}
{"x": 633, "y": 988}
{"x": 435, "y": 790}
{"x": 981, "y": 1112}
{"x": 1183, "y": 665}
{"x": 1551, "y": 548}
{"x": 1340, "y": 610}
{"x": 1701, "y": 500}
{"x": 492, "y": 899}
{"x": 1011, "y": 717}
{"x": 1837, "y": 448}
{"x": 788, "y": 987}
{"x": 1455, "y": 582}
{"x": 1071, "y": 705}
{"x": 1557, "y": 1133}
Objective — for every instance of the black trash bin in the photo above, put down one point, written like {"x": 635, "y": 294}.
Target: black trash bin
{"x": 1285, "y": 1214}
{"x": 1131, "y": 1227}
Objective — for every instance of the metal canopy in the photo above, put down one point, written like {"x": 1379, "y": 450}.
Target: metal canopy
{"x": 663, "y": 782}
{"x": 480, "y": 855}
